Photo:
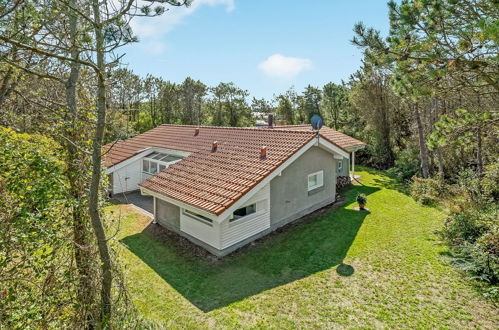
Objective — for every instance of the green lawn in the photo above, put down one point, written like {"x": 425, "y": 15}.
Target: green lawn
{"x": 337, "y": 268}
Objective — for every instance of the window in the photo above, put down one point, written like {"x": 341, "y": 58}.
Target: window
{"x": 156, "y": 162}
{"x": 153, "y": 167}
{"x": 196, "y": 216}
{"x": 340, "y": 165}
{"x": 243, "y": 211}
{"x": 145, "y": 166}
{"x": 315, "y": 180}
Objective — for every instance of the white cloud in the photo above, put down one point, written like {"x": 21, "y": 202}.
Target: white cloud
{"x": 280, "y": 66}
{"x": 151, "y": 30}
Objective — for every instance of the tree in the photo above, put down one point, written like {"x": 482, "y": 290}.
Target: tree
{"x": 311, "y": 101}
{"x": 261, "y": 105}
{"x": 96, "y": 32}
{"x": 228, "y": 106}
{"x": 435, "y": 47}
{"x": 191, "y": 100}
{"x": 285, "y": 109}
{"x": 334, "y": 102}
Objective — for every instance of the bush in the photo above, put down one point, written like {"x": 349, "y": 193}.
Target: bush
{"x": 406, "y": 165}
{"x": 469, "y": 225}
{"x": 478, "y": 263}
{"x": 36, "y": 289}
{"x": 362, "y": 199}
{"x": 428, "y": 191}
{"x": 473, "y": 236}
{"x": 491, "y": 182}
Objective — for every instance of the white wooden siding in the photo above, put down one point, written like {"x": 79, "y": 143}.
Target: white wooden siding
{"x": 128, "y": 177}
{"x": 209, "y": 234}
{"x": 238, "y": 230}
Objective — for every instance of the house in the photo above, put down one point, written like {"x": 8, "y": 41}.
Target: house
{"x": 346, "y": 168}
{"x": 223, "y": 187}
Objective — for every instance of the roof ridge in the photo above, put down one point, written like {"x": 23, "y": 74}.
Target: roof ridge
{"x": 247, "y": 128}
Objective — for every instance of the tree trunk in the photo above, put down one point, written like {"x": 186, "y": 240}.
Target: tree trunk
{"x": 479, "y": 149}
{"x": 440, "y": 162}
{"x": 423, "y": 151}
{"x": 93, "y": 202}
{"x": 75, "y": 160}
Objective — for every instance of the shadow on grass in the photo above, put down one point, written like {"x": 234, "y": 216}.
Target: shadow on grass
{"x": 387, "y": 180}
{"x": 318, "y": 242}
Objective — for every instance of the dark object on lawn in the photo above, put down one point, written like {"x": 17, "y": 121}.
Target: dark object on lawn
{"x": 362, "y": 200}
{"x": 345, "y": 270}
{"x": 343, "y": 181}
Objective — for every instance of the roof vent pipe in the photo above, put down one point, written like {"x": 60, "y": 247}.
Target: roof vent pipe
{"x": 271, "y": 120}
{"x": 263, "y": 152}
{"x": 196, "y": 131}
{"x": 214, "y": 146}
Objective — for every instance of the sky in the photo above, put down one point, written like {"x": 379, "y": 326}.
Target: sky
{"x": 263, "y": 46}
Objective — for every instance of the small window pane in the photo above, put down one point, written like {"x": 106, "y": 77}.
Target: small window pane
{"x": 154, "y": 154}
{"x": 161, "y": 167}
{"x": 171, "y": 158}
{"x": 199, "y": 216}
{"x": 312, "y": 180}
{"x": 244, "y": 211}
{"x": 145, "y": 165}
{"x": 159, "y": 156}
{"x": 153, "y": 168}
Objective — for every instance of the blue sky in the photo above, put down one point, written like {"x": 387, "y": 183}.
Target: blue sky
{"x": 262, "y": 46}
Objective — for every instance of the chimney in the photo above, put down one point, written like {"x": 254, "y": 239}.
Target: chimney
{"x": 214, "y": 146}
{"x": 263, "y": 152}
{"x": 196, "y": 131}
{"x": 271, "y": 120}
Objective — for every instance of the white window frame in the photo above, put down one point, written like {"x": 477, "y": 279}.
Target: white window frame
{"x": 233, "y": 218}
{"x": 158, "y": 163}
{"x": 198, "y": 217}
{"x": 320, "y": 180}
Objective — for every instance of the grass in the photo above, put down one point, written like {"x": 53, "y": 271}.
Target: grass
{"x": 337, "y": 268}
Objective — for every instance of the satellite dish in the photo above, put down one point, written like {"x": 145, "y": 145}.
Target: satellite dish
{"x": 316, "y": 122}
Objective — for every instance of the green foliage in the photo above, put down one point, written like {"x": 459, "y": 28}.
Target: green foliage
{"x": 406, "y": 165}
{"x": 35, "y": 285}
{"x": 361, "y": 199}
{"x": 285, "y": 109}
{"x": 228, "y": 106}
{"x": 474, "y": 237}
{"x": 335, "y": 103}
{"x": 472, "y": 227}
{"x": 428, "y": 191}
{"x": 430, "y": 40}
{"x": 469, "y": 225}
{"x": 311, "y": 102}
{"x": 143, "y": 122}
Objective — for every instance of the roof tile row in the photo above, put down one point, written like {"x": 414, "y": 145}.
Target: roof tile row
{"x": 213, "y": 181}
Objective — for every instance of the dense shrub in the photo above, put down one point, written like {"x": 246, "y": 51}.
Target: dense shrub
{"x": 406, "y": 165}
{"x": 428, "y": 191}
{"x": 35, "y": 285}
{"x": 469, "y": 225}
{"x": 472, "y": 228}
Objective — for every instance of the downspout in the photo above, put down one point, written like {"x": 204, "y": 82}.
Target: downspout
{"x": 353, "y": 165}
{"x": 154, "y": 221}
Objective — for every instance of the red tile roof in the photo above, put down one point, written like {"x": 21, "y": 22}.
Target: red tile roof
{"x": 213, "y": 181}
{"x": 342, "y": 140}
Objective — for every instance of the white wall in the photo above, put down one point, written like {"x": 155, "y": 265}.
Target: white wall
{"x": 208, "y": 233}
{"x": 128, "y": 177}
{"x": 225, "y": 234}
{"x": 240, "y": 229}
